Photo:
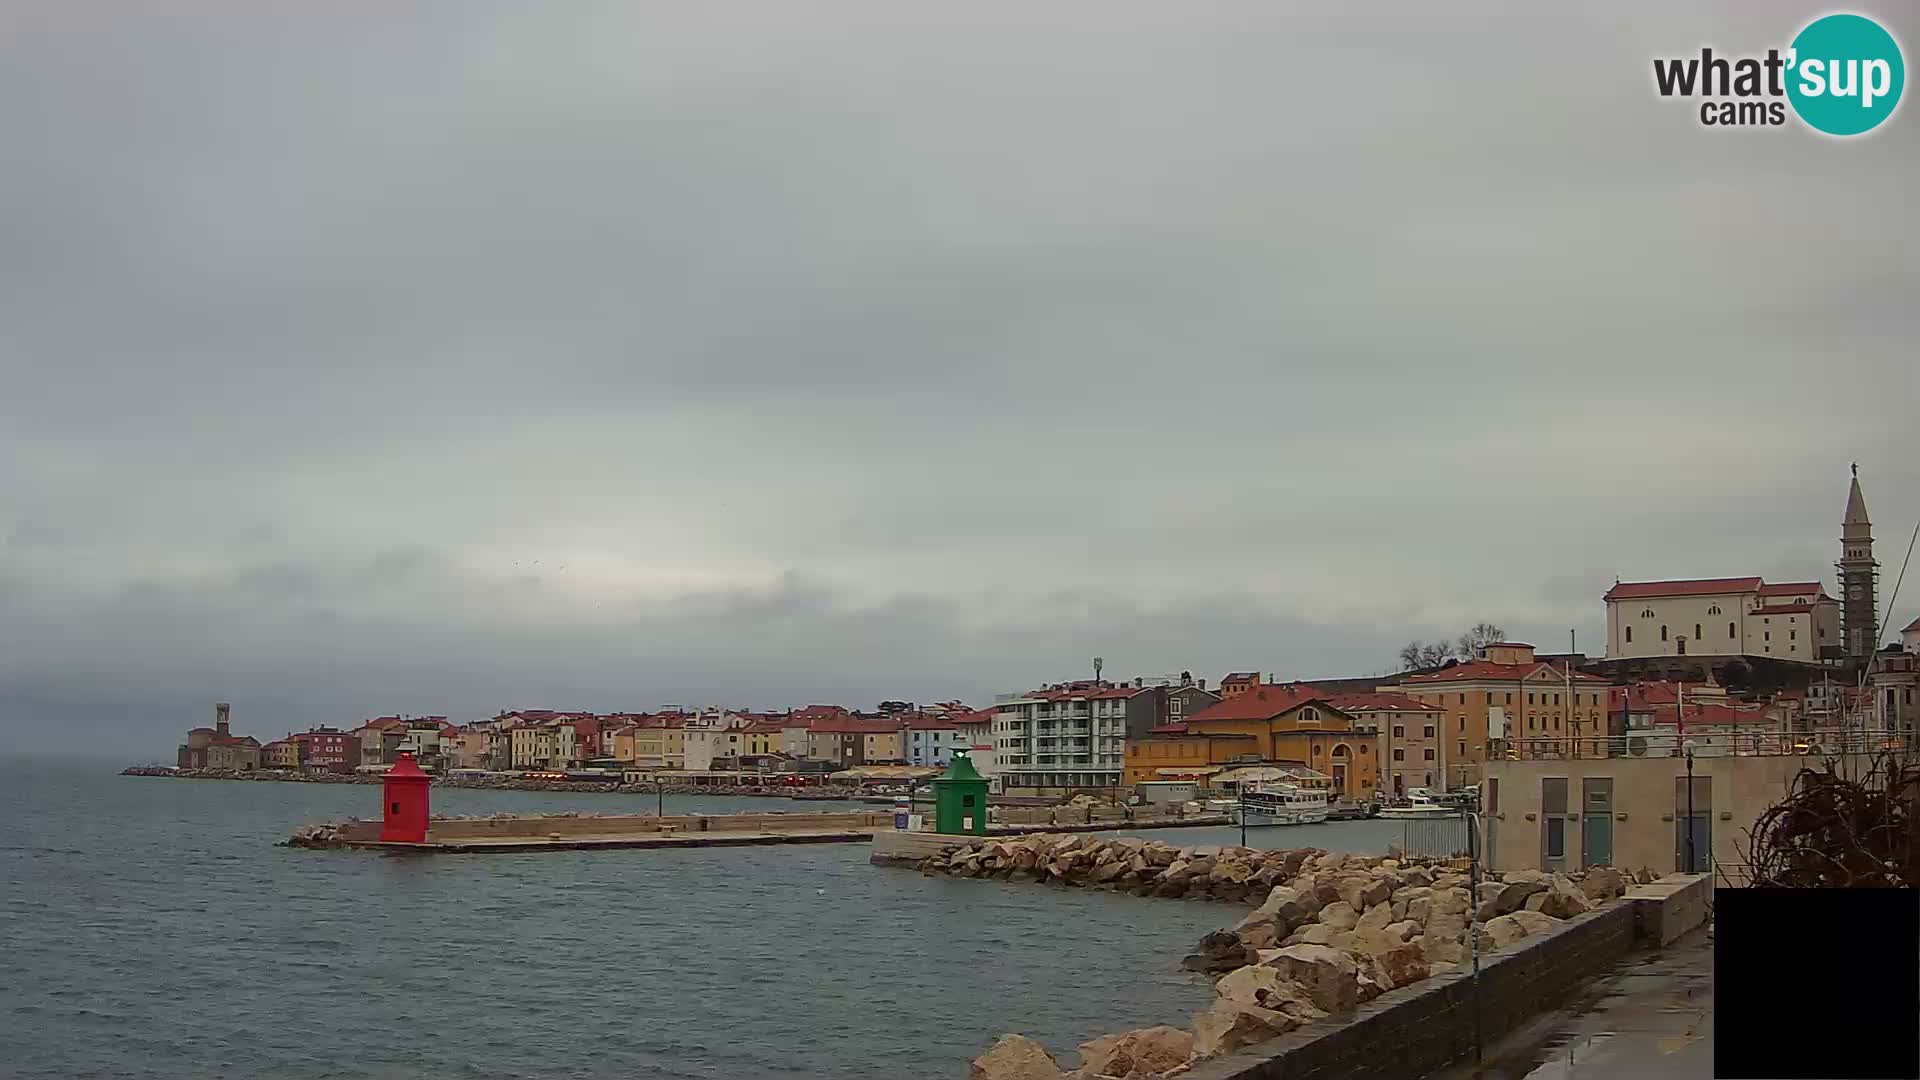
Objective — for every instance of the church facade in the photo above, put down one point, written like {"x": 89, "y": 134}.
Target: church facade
{"x": 1795, "y": 621}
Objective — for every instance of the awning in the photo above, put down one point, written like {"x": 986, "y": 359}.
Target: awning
{"x": 1258, "y": 773}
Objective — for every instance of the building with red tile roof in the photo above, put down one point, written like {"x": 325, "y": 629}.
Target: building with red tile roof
{"x": 1405, "y": 733}
{"x": 1721, "y": 617}
{"x": 1265, "y": 725}
{"x": 1506, "y": 695}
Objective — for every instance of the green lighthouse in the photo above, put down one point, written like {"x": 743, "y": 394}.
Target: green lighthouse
{"x": 960, "y": 798}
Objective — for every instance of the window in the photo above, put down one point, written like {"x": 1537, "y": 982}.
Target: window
{"x": 1556, "y": 699}
{"x": 1429, "y": 733}
{"x": 1509, "y": 699}
{"x": 1663, "y": 631}
{"x": 1429, "y": 779}
{"x": 1530, "y": 699}
{"x": 1463, "y": 749}
{"x": 1646, "y": 613}
{"x": 1714, "y": 610}
{"x": 1629, "y": 634}
{"x": 1463, "y": 699}
{"x": 1459, "y": 723}
{"x": 1696, "y": 632}
{"x": 1428, "y": 753}
{"x": 1768, "y": 636}
{"x": 1399, "y": 754}
{"x": 1729, "y": 631}
{"x": 1399, "y": 731}
{"x": 1363, "y": 749}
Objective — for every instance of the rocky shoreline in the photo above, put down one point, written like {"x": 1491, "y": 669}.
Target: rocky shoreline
{"x": 1331, "y": 931}
{"x": 812, "y": 793}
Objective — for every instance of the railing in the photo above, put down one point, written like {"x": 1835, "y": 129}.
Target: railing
{"x": 1438, "y": 837}
{"x": 1707, "y": 742}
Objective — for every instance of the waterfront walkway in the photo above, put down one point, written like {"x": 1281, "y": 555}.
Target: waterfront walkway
{"x": 610, "y": 841}
{"x": 1651, "y": 1020}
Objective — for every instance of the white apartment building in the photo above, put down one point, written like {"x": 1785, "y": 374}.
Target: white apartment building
{"x": 1741, "y": 616}
{"x": 1068, "y": 736}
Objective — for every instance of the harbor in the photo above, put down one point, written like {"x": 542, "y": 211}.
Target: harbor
{"x": 408, "y": 825}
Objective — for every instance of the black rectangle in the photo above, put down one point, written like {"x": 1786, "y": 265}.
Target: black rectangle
{"x": 1817, "y": 983}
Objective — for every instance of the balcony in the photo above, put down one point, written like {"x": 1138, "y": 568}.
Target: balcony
{"x": 1707, "y": 742}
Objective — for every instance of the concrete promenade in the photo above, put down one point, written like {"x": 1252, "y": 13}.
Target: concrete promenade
{"x": 468, "y": 836}
{"x": 606, "y": 842}
{"x": 1650, "y": 1018}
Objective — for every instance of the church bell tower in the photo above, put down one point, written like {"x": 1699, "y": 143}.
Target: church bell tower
{"x": 1859, "y": 577}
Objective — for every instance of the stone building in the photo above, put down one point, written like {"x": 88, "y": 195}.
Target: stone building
{"x": 1859, "y": 578}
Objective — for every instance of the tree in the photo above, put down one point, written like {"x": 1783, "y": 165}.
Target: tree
{"x": 1473, "y": 641}
{"x": 1415, "y": 655}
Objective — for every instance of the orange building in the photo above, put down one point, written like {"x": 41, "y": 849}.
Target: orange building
{"x": 1506, "y": 698}
{"x": 1239, "y": 683}
{"x": 1264, "y": 725}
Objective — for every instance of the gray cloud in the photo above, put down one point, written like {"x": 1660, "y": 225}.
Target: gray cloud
{"x": 856, "y": 350}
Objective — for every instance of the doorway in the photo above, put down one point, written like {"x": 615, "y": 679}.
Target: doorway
{"x": 1596, "y": 821}
{"x": 1693, "y": 825}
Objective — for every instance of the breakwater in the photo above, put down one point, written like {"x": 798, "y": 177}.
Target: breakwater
{"x": 1332, "y": 932}
{"x": 813, "y": 792}
{"x": 574, "y": 831}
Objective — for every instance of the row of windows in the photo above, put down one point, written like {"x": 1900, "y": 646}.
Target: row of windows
{"x": 1592, "y": 699}
{"x": 1732, "y": 632}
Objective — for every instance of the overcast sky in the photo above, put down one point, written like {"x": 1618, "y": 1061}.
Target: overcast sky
{"x": 443, "y": 357}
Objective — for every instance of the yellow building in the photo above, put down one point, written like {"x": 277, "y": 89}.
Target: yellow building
{"x": 1507, "y": 697}
{"x": 1263, "y": 725}
{"x": 618, "y": 744}
{"x": 280, "y": 754}
{"x": 882, "y": 746}
{"x": 761, "y": 739}
{"x": 660, "y": 743}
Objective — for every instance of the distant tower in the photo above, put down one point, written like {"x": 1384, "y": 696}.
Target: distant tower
{"x": 220, "y": 714}
{"x": 1859, "y": 577}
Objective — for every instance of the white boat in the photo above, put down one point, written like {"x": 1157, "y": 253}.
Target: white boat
{"x": 1280, "y": 803}
{"x": 1420, "y": 803}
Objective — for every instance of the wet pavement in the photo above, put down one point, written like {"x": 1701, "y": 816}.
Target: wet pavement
{"x": 1651, "y": 1020}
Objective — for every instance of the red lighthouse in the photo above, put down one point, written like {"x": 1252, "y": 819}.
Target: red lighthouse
{"x": 405, "y": 801}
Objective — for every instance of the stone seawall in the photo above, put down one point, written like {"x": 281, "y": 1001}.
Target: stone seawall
{"x": 1333, "y": 933}
{"x": 1122, "y": 864}
{"x": 544, "y": 826}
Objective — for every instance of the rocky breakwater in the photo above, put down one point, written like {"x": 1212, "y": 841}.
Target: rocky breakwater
{"x": 1333, "y": 932}
{"x": 1123, "y": 864}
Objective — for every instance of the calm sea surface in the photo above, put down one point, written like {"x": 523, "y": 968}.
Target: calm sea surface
{"x": 148, "y": 927}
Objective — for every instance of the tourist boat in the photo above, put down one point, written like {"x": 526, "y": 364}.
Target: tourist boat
{"x": 1421, "y": 803}
{"x": 1280, "y": 803}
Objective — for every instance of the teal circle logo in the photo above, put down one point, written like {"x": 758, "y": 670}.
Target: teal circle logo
{"x": 1845, "y": 74}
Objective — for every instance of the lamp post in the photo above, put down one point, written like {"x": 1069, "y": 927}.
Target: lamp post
{"x": 1240, "y": 792}
{"x": 1688, "y": 750}
{"x": 1473, "y": 935}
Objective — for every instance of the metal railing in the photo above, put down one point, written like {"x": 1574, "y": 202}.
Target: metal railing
{"x": 1707, "y": 742}
{"x": 1437, "y": 837}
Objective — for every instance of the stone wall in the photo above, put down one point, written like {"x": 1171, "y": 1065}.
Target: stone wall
{"x": 617, "y": 824}
{"x": 573, "y": 825}
{"x": 1422, "y": 1027}
{"x": 1333, "y": 935}
{"x": 1125, "y": 864}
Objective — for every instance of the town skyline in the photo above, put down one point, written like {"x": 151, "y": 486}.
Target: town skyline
{"x": 608, "y": 375}
{"x": 152, "y": 735}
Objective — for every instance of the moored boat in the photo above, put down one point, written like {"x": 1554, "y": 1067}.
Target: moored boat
{"x": 1281, "y": 803}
